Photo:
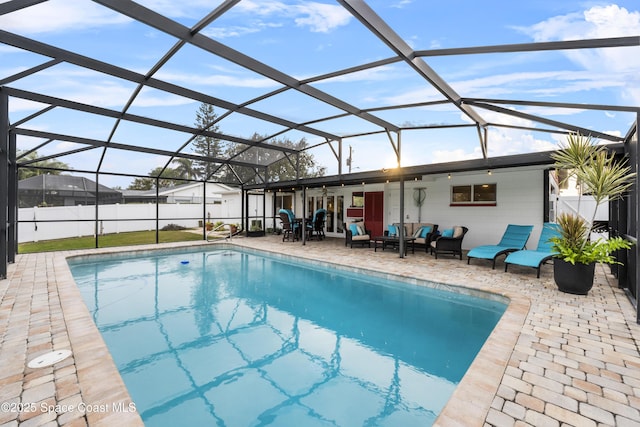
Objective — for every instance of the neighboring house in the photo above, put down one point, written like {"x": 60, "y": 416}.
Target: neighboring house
{"x": 186, "y": 193}
{"x": 141, "y": 196}
{"x": 568, "y": 200}
{"x": 63, "y": 190}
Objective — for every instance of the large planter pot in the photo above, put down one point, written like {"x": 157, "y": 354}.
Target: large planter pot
{"x": 573, "y": 279}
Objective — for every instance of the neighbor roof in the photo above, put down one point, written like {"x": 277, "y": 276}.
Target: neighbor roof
{"x": 391, "y": 94}
{"x": 62, "y": 183}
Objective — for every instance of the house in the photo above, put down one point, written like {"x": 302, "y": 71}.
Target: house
{"x": 64, "y": 190}
{"x": 186, "y": 193}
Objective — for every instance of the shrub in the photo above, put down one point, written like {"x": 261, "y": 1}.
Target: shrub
{"x": 173, "y": 227}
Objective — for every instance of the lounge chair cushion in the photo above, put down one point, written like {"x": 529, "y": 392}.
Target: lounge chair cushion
{"x": 514, "y": 238}
{"x": 535, "y": 258}
{"x": 361, "y": 231}
{"x": 354, "y": 229}
{"x": 527, "y": 258}
{"x": 457, "y": 231}
{"x": 447, "y": 233}
{"x": 393, "y": 230}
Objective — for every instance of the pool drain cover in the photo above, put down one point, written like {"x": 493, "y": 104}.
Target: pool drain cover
{"x": 49, "y": 359}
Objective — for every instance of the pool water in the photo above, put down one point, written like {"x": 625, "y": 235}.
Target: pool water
{"x": 231, "y": 338}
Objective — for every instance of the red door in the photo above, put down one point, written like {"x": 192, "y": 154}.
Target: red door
{"x": 374, "y": 212}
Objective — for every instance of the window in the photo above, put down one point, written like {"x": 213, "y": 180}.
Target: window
{"x": 474, "y": 195}
{"x": 357, "y": 199}
{"x": 461, "y": 193}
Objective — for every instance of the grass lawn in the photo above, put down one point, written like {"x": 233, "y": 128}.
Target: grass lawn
{"x": 107, "y": 241}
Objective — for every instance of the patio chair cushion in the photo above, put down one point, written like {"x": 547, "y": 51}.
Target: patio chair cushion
{"x": 406, "y": 230}
{"x": 354, "y": 229}
{"x": 447, "y": 233}
{"x": 361, "y": 237}
{"x": 457, "y": 231}
{"x": 361, "y": 231}
{"x": 424, "y": 231}
{"x": 393, "y": 230}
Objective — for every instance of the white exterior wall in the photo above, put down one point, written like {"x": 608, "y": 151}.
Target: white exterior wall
{"x": 519, "y": 201}
{"x": 193, "y": 193}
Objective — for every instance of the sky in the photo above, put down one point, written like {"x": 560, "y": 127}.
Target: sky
{"x": 309, "y": 38}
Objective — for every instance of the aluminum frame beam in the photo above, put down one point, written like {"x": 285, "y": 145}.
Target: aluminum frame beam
{"x": 168, "y": 26}
{"x": 549, "y": 122}
{"x": 361, "y": 11}
{"x": 536, "y": 47}
{"x": 118, "y": 146}
{"x": 105, "y": 112}
{"x": 122, "y": 73}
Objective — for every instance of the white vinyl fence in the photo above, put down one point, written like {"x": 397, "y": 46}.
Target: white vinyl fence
{"x": 79, "y": 221}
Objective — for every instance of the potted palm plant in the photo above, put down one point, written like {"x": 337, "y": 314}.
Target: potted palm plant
{"x": 604, "y": 178}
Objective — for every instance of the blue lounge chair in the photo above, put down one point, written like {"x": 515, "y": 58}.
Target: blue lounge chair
{"x": 543, "y": 253}
{"x": 514, "y": 239}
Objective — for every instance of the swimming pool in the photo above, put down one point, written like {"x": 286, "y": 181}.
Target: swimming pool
{"x": 235, "y": 338}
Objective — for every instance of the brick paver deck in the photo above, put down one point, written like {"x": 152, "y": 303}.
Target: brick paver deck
{"x": 553, "y": 360}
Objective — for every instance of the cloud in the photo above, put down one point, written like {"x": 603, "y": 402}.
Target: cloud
{"x": 179, "y": 9}
{"x": 596, "y": 22}
{"x": 317, "y": 17}
{"x": 615, "y": 66}
{"x": 321, "y": 18}
{"x": 501, "y": 141}
{"x": 87, "y": 87}
{"x": 59, "y": 15}
{"x": 401, "y": 4}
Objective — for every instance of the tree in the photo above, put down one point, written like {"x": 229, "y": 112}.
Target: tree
{"x": 280, "y": 167}
{"x": 141, "y": 184}
{"x": 185, "y": 168}
{"x": 206, "y": 146}
{"x": 284, "y": 170}
{"x": 167, "y": 179}
{"x": 33, "y": 170}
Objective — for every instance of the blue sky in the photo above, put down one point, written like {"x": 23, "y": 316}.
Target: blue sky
{"x": 310, "y": 38}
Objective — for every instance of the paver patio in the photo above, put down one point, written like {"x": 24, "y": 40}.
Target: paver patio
{"x": 554, "y": 359}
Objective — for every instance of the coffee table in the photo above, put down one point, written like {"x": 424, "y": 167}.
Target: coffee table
{"x": 394, "y": 242}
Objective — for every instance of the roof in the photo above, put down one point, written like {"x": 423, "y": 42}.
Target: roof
{"x": 62, "y": 183}
{"x": 364, "y": 81}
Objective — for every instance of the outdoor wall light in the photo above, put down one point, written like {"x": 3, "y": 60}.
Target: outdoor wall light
{"x": 449, "y": 176}
{"x": 489, "y": 172}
